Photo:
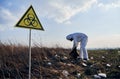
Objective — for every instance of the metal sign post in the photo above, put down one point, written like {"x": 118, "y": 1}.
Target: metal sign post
{"x": 31, "y": 21}
{"x": 30, "y": 54}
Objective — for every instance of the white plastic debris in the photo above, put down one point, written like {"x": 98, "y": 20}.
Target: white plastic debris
{"x": 65, "y": 57}
{"x": 46, "y": 58}
{"x": 49, "y": 63}
{"x": 91, "y": 65}
{"x": 56, "y": 55}
{"x": 78, "y": 75}
{"x": 91, "y": 58}
{"x": 103, "y": 75}
{"x": 97, "y": 77}
{"x": 119, "y": 66}
{"x": 84, "y": 64}
{"x": 108, "y": 65}
{"x": 69, "y": 64}
{"x": 65, "y": 73}
{"x": 100, "y": 76}
{"x": 103, "y": 57}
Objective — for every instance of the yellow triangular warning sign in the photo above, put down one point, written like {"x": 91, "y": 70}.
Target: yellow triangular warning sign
{"x": 30, "y": 20}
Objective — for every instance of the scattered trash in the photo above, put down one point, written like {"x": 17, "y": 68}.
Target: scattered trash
{"x": 69, "y": 64}
{"x": 83, "y": 64}
{"x": 65, "y": 73}
{"x": 91, "y": 58}
{"x": 97, "y": 77}
{"x": 100, "y": 76}
{"x": 78, "y": 75}
{"x": 103, "y": 57}
{"x": 108, "y": 65}
{"x": 119, "y": 66}
{"x": 49, "y": 63}
{"x": 92, "y": 65}
{"x": 65, "y": 57}
{"x": 46, "y": 58}
{"x": 57, "y": 56}
{"x": 85, "y": 61}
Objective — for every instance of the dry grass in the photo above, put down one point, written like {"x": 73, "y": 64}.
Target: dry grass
{"x": 49, "y": 63}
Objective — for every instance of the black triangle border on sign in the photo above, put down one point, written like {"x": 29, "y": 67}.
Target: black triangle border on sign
{"x": 17, "y": 25}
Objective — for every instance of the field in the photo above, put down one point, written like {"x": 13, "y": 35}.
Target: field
{"x": 54, "y": 63}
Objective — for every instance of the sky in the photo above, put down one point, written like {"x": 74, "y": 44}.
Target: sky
{"x": 98, "y": 19}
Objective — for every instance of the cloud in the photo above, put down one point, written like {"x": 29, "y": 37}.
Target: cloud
{"x": 62, "y": 10}
{"x": 104, "y": 41}
{"x": 107, "y": 6}
{"x": 7, "y": 18}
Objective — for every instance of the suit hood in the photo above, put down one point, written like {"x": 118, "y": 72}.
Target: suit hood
{"x": 69, "y": 37}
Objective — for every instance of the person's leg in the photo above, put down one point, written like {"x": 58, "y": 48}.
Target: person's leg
{"x": 85, "y": 54}
{"x": 83, "y": 45}
{"x": 81, "y": 53}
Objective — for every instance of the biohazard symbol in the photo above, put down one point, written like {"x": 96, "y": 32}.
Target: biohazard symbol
{"x": 30, "y": 20}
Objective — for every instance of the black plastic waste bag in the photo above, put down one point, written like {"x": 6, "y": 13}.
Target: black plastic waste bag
{"x": 73, "y": 54}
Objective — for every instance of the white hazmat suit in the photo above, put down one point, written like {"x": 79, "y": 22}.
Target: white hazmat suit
{"x": 82, "y": 39}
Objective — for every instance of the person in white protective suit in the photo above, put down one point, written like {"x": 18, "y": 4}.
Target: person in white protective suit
{"x": 82, "y": 39}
